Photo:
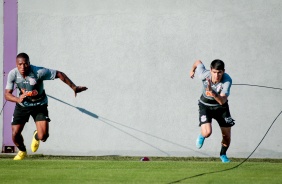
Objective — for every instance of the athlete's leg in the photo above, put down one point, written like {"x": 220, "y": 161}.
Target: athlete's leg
{"x": 205, "y": 124}
{"x": 206, "y": 130}
{"x": 40, "y": 116}
{"x": 42, "y": 130}
{"x": 41, "y": 133}
{"x": 226, "y": 136}
{"x": 17, "y": 136}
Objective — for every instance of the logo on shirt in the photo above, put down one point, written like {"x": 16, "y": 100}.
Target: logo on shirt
{"x": 32, "y": 81}
{"x": 219, "y": 88}
{"x": 30, "y": 93}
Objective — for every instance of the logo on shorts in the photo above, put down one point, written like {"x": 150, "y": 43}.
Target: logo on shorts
{"x": 229, "y": 120}
{"x": 203, "y": 118}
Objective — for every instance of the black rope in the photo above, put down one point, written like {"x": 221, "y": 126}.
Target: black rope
{"x": 3, "y": 107}
{"x": 212, "y": 172}
{"x": 256, "y": 86}
{"x": 228, "y": 168}
{"x": 260, "y": 141}
{"x": 201, "y": 174}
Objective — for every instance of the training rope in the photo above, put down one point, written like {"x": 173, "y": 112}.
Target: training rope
{"x": 259, "y": 142}
{"x": 256, "y": 86}
{"x": 3, "y": 107}
{"x": 201, "y": 174}
{"x": 212, "y": 172}
{"x": 5, "y": 104}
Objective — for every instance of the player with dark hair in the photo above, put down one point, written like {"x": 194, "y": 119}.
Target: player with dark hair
{"x": 32, "y": 100}
{"x": 213, "y": 103}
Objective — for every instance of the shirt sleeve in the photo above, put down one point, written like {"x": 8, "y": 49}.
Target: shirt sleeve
{"x": 11, "y": 79}
{"x": 202, "y": 72}
{"x": 46, "y": 73}
{"x": 226, "y": 85}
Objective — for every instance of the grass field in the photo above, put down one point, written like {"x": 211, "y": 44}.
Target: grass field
{"x": 52, "y": 169}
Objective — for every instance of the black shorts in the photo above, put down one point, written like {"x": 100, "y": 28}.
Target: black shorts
{"x": 21, "y": 114}
{"x": 220, "y": 113}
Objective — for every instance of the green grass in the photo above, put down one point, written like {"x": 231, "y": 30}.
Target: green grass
{"x": 52, "y": 169}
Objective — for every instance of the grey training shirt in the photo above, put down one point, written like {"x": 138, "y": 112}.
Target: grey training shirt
{"x": 32, "y": 84}
{"x": 223, "y": 87}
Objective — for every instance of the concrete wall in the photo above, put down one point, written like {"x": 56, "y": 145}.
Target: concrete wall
{"x": 135, "y": 57}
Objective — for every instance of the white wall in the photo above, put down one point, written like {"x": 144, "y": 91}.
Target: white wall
{"x": 135, "y": 57}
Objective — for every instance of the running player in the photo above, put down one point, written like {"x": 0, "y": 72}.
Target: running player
{"x": 32, "y": 100}
{"x": 213, "y": 103}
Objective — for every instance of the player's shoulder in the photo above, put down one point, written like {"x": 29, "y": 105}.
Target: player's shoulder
{"x": 38, "y": 69}
{"x": 14, "y": 72}
{"x": 35, "y": 68}
{"x": 226, "y": 78}
{"x": 202, "y": 72}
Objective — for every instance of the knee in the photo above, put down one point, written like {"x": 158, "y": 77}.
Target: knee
{"x": 226, "y": 137}
{"x": 43, "y": 137}
{"x": 206, "y": 130}
{"x": 206, "y": 134}
{"x": 16, "y": 133}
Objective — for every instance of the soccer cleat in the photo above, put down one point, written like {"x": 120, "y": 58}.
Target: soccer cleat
{"x": 20, "y": 156}
{"x": 35, "y": 143}
{"x": 200, "y": 141}
{"x": 224, "y": 159}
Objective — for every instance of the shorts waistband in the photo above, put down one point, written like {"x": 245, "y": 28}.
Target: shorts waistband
{"x": 208, "y": 101}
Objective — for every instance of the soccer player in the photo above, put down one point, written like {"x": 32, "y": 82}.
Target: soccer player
{"x": 32, "y": 100}
{"x": 213, "y": 103}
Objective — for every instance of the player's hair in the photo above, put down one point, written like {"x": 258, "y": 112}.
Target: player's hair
{"x": 23, "y": 55}
{"x": 217, "y": 64}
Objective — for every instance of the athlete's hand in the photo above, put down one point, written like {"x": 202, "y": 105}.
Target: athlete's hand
{"x": 22, "y": 97}
{"x": 79, "y": 89}
{"x": 192, "y": 74}
{"x": 209, "y": 89}
{"x": 208, "y": 84}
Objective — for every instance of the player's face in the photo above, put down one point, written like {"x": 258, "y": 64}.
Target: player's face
{"x": 23, "y": 66}
{"x": 216, "y": 75}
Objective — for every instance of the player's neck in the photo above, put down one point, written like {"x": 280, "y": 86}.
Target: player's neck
{"x": 214, "y": 81}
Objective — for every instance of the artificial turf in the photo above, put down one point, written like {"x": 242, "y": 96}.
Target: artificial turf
{"x": 116, "y": 169}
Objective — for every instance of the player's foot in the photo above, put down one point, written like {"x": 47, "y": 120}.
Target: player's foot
{"x": 224, "y": 159}
{"x": 20, "y": 156}
{"x": 200, "y": 141}
{"x": 35, "y": 143}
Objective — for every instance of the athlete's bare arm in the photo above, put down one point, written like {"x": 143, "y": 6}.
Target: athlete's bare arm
{"x": 65, "y": 79}
{"x": 10, "y": 97}
{"x": 221, "y": 98}
{"x": 192, "y": 72}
